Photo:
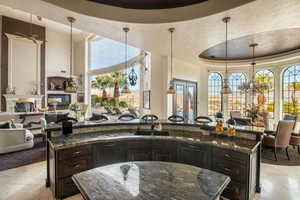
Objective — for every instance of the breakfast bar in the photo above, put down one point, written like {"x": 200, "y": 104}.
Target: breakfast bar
{"x": 97, "y": 144}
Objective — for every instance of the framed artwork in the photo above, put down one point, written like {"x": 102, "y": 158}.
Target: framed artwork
{"x": 146, "y": 99}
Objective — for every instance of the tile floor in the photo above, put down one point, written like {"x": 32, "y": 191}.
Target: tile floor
{"x": 27, "y": 183}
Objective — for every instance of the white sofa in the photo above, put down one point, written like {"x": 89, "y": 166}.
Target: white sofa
{"x": 15, "y": 140}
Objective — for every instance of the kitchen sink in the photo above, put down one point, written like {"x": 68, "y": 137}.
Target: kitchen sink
{"x": 152, "y": 133}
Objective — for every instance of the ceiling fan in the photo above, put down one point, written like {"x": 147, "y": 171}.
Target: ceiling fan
{"x": 31, "y": 36}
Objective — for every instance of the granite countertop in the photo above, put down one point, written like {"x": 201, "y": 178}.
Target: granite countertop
{"x": 88, "y": 124}
{"x": 236, "y": 144}
{"x": 150, "y": 181}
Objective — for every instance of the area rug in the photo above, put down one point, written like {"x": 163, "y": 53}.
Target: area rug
{"x": 268, "y": 157}
{"x": 25, "y": 157}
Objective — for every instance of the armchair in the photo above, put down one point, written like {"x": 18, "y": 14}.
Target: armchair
{"x": 282, "y": 137}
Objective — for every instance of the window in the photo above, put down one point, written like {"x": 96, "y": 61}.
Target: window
{"x": 106, "y": 92}
{"x": 267, "y": 76}
{"x": 104, "y": 52}
{"x": 236, "y": 100}
{"x": 291, "y": 90}
{"x": 215, "y": 84}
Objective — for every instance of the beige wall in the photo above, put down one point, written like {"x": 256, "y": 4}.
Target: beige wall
{"x": 161, "y": 103}
{"x": 57, "y": 53}
{"x": 196, "y": 73}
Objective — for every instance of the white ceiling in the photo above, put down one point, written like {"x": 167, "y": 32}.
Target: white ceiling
{"x": 52, "y": 25}
{"x": 191, "y": 37}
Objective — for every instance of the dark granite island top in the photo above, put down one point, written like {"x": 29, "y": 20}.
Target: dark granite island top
{"x": 236, "y": 144}
{"x": 150, "y": 181}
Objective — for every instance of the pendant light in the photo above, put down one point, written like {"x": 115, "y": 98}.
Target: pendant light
{"x": 171, "y": 89}
{"x": 71, "y": 85}
{"x": 126, "y": 89}
{"x": 226, "y": 88}
{"x": 253, "y": 87}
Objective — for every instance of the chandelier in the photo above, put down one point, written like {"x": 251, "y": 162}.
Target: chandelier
{"x": 253, "y": 87}
{"x": 226, "y": 88}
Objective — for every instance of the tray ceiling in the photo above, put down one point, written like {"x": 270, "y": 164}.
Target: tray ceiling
{"x": 271, "y": 43}
{"x": 148, "y": 4}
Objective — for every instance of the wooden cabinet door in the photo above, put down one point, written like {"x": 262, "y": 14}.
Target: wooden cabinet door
{"x": 194, "y": 155}
{"x": 164, "y": 151}
{"x": 109, "y": 153}
{"x": 139, "y": 151}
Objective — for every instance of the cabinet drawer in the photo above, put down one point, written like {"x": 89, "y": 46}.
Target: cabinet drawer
{"x": 74, "y": 152}
{"x": 235, "y": 191}
{"x": 139, "y": 144}
{"x": 73, "y": 166}
{"x": 236, "y": 171}
{"x": 67, "y": 187}
{"x": 230, "y": 155}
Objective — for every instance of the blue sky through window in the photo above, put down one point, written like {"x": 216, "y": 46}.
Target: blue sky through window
{"x": 106, "y": 52}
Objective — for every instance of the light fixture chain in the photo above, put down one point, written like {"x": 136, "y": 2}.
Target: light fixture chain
{"x": 226, "y": 51}
{"x": 71, "y": 50}
{"x": 171, "y": 54}
{"x": 126, "y": 52}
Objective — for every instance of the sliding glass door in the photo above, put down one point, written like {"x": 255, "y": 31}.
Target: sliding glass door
{"x": 185, "y": 99}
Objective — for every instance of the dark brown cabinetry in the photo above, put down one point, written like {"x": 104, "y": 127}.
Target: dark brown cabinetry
{"x": 66, "y": 163}
{"x": 139, "y": 150}
{"x": 241, "y": 167}
{"x": 164, "y": 151}
{"x": 108, "y": 153}
{"x": 193, "y": 154}
{"x": 237, "y": 166}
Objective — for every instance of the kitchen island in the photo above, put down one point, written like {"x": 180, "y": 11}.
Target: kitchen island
{"x": 150, "y": 181}
{"x": 98, "y": 144}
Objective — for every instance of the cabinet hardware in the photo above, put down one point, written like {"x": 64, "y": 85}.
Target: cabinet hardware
{"x": 227, "y": 155}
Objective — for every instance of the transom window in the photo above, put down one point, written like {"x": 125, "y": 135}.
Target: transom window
{"x": 215, "y": 83}
{"x": 291, "y": 90}
{"x": 236, "y": 100}
{"x": 267, "y": 76}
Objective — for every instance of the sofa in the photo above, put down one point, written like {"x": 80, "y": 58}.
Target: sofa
{"x": 15, "y": 140}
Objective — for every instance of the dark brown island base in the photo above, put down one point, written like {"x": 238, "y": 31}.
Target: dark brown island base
{"x": 95, "y": 145}
{"x": 150, "y": 180}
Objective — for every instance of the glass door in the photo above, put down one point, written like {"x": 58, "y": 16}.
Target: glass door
{"x": 185, "y": 99}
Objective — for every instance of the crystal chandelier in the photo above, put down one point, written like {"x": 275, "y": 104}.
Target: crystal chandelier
{"x": 253, "y": 87}
{"x": 171, "y": 89}
{"x": 126, "y": 89}
{"x": 226, "y": 88}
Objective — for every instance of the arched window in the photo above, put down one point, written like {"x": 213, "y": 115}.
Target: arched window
{"x": 267, "y": 76}
{"x": 291, "y": 90}
{"x": 215, "y": 83}
{"x": 236, "y": 100}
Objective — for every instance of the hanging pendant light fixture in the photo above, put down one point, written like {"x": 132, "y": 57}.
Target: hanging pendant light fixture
{"x": 171, "y": 89}
{"x": 126, "y": 89}
{"x": 226, "y": 88}
{"x": 71, "y": 85}
{"x": 252, "y": 87}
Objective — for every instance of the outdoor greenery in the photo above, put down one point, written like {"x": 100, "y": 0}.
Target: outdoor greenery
{"x": 292, "y": 107}
{"x": 115, "y": 81}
